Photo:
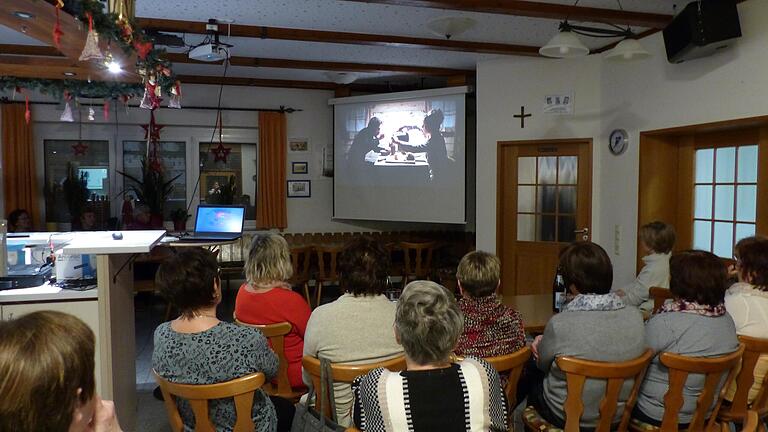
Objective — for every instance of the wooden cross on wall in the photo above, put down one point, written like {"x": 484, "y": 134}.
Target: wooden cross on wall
{"x": 522, "y": 116}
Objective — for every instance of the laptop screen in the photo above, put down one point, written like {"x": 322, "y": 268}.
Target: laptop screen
{"x": 219, "y": 219}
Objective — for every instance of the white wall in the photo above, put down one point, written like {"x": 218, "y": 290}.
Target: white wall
{"x": 638, "y": 96}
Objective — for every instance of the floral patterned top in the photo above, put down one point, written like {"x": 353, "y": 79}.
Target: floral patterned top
{"x": 490, "y": 328}
{"x": 222, "y": 353}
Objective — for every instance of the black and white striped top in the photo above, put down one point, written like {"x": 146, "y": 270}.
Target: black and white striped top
{"x": 467, "y": 396}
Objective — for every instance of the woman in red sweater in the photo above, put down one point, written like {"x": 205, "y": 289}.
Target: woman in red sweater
{"x": 266, "y": 298}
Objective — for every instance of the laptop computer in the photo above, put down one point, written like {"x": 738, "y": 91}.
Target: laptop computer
{"x": 217, "y": 223}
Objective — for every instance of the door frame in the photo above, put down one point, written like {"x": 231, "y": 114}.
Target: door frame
{"x": 501, "y": 146}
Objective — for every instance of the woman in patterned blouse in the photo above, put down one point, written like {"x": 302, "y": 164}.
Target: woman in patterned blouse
{"x": 433, "y": 394}
{"x": 197, "y": 348}
{"x": 490, "y": 328}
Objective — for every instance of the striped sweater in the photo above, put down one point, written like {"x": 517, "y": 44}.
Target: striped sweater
{"x": 467, "y": 396}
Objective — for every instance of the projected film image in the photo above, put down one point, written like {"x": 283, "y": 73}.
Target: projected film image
{"x": 420, "y": 134}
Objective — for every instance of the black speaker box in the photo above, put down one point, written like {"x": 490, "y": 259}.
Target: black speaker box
{"x": 701, "y": 29}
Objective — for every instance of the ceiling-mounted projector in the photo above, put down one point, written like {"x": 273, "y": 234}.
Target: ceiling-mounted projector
{"x": 209, "y": 52}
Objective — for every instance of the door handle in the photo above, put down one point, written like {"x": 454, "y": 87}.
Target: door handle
{"x": 584, "y": 233}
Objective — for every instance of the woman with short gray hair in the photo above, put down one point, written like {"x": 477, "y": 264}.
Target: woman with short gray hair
{"x": 433, "y": 393}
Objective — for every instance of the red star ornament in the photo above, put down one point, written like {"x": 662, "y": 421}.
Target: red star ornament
{"x": 220, "y": 153}
{"x": 152, "y": 130}
{"x": 80, "y": 148}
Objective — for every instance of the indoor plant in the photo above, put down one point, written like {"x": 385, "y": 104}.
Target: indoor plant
{"x": 152, "y": 189}
{"x": 179, "y": 217}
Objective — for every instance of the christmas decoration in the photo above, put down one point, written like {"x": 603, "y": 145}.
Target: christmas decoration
{"x": 27, "y": 112}
{"x": 57, "y": 33}
{"x": 91, "y": 50}
{"x": 58, "y": 88}
{"x": 151, "y": 99}
{"x": 220, "y": 153}
{"x": 152, "y": 135}
{"x": 91, "y": 114}
{"x": 175, "y": 101}
{"x": 80, "y": 148}
{"x": 66, "y": 115}
{"x": 105, "y": 110}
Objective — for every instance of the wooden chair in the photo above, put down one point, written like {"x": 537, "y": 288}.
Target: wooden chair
{"x": 326, "y": 268}
{"x": 659, "y": 296}
{"x": 740, "y": 406}
{"x": 276, "y": 335}
{"x": 512, "y": 365}
{"x": 577, "y": 371}
{"x": 680, "y": 367}
{"x": 753, "y": 423}
{"x": 343, "y": 373}
{"x": 241, "y": 389}
{"x": 418, "y": 260}
{"x": 300, "y": 261}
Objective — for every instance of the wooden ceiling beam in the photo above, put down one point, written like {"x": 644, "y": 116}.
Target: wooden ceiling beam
{"x": 30, "y": 50}
{"x": 263, "y": 32}
{"x": 310, "y": 85}
{"x": 323, "y": 65}
{"x": 40, "y": 26}
{"x": 538, "y": 10}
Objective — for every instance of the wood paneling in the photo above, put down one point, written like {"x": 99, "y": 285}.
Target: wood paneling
{"x": 30, "y": 50}
{"x": 538, "y": 10}
{"x": 262, "y": 32}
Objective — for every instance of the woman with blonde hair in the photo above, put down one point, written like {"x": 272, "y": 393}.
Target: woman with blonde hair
{"x": 266, "y": 297}
{"x": 47, "y": 378}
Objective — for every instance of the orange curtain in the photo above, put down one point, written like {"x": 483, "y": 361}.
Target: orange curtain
{"x": 19, "y": 169}
{"x": 270, "y": 198}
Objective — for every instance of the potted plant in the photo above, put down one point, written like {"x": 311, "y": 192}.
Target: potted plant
{"x": 179, "y": 217}
{"x": 152, "y": 189}
{"x": 75, "y": 192}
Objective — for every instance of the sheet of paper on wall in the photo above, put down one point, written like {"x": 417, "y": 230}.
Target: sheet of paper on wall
{"x": 561, "y": 104}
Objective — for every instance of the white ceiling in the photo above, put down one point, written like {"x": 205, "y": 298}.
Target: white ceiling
{"x": 347, "y": 16}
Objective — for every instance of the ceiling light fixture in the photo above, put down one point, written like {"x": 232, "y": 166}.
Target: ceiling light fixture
{"x": 69, "y": 74}
{"x": 341, "y": 77}
{"x": 565, "y": 44}
{"x": 23, "y": 15}
{"x": 450, "y": 26}
{"x": 112, "y": 65}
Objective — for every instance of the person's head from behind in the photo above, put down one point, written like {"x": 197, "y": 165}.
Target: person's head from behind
{"x": 751, "y": 255}
{"x": 657, "y": 237}
{"x": 363, "y": 267}
{"x": 586, "y": 268}
{"x": 374, "y": 125}
{"x": 428, "y": 322}
{"x": 88, "y": 220}
{"x": 47, "y": 370}
{"x": 19, "y": 221}
{"x": 269, "y": 261}
{"x": 698, "y": 276}
{"x": 478, "y": 274}
{"x": 189, "y": 280}
{"x": 433, "y": 122}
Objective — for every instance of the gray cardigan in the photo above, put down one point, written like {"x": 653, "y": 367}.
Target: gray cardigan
{"x": 688, "y": 334}
{"x": 611, "y": 336}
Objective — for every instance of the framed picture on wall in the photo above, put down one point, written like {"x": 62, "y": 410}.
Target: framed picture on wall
{"x": 299, "y": 168}
{"x": 298, "y": 144}
{"x": 299, "y": 189}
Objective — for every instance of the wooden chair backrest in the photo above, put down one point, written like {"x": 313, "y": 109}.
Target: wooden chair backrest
{"x": 512, "y": 365}
{"x": 326, "y": 262}
{"x": 276, "y": 335}
{"x": 753, "y": 349}
{"x": 713, "y": 369}
{"x": 241, "y": 389}
{"x": 659, "y": 296}
{"x": 751, "y": 423}
{"x": 344, "y": 373}
{"x": 422, "y": 258}
{"x": 577, "y": 371}
{"x": 300, "y": 261}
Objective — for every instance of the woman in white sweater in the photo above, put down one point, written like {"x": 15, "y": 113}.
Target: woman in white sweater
{"x": 747, "y": 300}
{"x": 657, "y": 239}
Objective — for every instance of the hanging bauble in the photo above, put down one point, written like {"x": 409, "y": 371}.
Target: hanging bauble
{"x": 175, "y": 101}
{"x": 150, "y": 100}
{"x": 91, "y": 114}
{"x": 66, "y": 115}
{"x": 91, "y": 50}
{"x": 105, "y": 110}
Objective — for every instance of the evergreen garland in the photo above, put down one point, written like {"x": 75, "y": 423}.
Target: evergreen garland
{"x": 56, "y": 88}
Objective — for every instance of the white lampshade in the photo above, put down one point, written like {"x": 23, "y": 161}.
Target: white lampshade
{"x": 450, "y": 26}
{"x": 628, "y": 49}
{"x": 564, "y": 45}
{"x": 341, "y": 77}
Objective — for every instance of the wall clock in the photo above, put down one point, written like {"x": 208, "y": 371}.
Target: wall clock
{"x": 618, "y": 141}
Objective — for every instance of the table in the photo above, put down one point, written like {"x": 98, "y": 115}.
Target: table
{"x": 536, "y": 310}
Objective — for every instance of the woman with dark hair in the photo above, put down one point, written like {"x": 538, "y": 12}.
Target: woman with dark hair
{"x": 747, "y": 300}
{"x": 197, "y": 348}
{"x": 437, "y": 153}
{"x": 19, "y": 220}
{"x": 694, "y": 324}
{"x": 595, "y": 325}
{"x": 357, "y": 327}
{"x": 366, "y": 140}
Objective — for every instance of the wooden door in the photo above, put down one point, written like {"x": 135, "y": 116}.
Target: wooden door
{"x": 544, "y": 202}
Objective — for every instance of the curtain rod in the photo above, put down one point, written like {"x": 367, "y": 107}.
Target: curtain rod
{"x": 282, "y": 109}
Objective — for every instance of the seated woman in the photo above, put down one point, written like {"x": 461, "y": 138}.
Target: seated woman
{"x": 747, "y": 300}
{"x": 490, "y": 328}
{"x": 657, "y": 240}
{"x": 267, "y": 299}
{"x": 47, "y": 370}
{"x": 433, "y": 394}
{"x": 594, "y": 325}
{"x": 197, "y": 348}
{"x": 357, "y": 327}
{"x": 694, "y": 324}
